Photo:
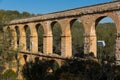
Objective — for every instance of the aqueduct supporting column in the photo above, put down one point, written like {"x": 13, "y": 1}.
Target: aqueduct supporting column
{"x": 47, "y": 42}
{"x": 89, "y": 16}
{"x": 33, "y": 38}
{"x": 66, "y": 38}
{"x": 14, "y": 34}
{"x": 22, "y": 38}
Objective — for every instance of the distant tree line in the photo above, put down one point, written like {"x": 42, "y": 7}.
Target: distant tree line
{"x": 7, "y": 15}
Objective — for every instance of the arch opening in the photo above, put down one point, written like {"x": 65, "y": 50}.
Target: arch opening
{"x": 18, "y": 34}
{"x": 9, "y": 34}
{"x": 105, "y": 32}
{"x": 77, "y": 31}
{"x": 25, "y": 57}
{"x": 40, "y": 34}
{"x": 28, "y": 34}
{"x": 56, "y": 32}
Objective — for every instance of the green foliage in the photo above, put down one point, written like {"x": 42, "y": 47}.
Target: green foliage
{"x": 7, "y": 15}
{"x": 106, "y": 32}
{"x": 6, "y": 48}
{"x": 7, "y": 51}
{"x": 71, "y": 70}
{"x": 39, "y": 70}
{"x": 2, "y": 68}
{"x": 27, "y": 30}
{"x": 88, "y": 70}
{"x": 79, "y": 70}
{"x": 77, "y": 32}
{"x": 9, "y": 75}
{"x": 40, "y": 32}
{"x": 57, "y": 32}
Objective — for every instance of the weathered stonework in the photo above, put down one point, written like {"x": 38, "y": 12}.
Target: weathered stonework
{"x": 89, "y": 16}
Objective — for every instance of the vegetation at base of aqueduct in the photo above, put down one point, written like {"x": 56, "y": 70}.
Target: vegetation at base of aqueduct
{"x": 105, "y": 31}
{"x": 71, "y": 70}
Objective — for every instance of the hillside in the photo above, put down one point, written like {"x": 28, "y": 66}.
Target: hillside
{"x": 8, "y": 15}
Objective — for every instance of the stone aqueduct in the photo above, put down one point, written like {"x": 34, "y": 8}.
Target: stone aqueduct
{"x": 89, "y": 16}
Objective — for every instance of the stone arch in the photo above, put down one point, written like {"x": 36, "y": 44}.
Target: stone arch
{"x": 66, "y": 28}
{"x": 44, "y": 24}
{"x": 56, "y": 34}
{"x": 98, "y": 19}
{"x": 27, "y": 35}
{"x": 102, "y": 17}
{"x": 112, "y": 37}
{"x": 77, "y": 31}
{"x": 114, "y": 16}
{"x": 40, "y": 36}
{"x": 72, "y": 21}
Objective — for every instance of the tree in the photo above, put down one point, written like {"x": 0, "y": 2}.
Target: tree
{"x": 7, "y": 15}
{"x": 6, "y": 48}
{"x": 9, "y": 74}
{"x": 73, "y": 69}
{"x": 40, "y": 70}
{"x": 8, "y": 54}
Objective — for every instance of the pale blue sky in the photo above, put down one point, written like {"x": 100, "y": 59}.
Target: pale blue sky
{"x": 45, "y": 6}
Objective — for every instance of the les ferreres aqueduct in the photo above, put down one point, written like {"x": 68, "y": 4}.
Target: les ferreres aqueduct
{"x": 89, "y": 17}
